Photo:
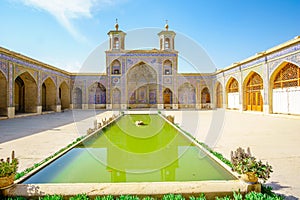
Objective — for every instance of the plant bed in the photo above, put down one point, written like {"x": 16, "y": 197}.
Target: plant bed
{"x": 249, "y": 167}
{"x": 8, "y": 170}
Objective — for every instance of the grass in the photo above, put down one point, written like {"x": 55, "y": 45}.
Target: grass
{"x": 236, "y": 196}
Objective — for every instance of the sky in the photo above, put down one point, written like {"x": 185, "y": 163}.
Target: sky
{"x": 63, "y": 33}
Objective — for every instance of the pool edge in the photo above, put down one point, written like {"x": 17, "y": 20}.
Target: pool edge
{"x": 156, "y": 189}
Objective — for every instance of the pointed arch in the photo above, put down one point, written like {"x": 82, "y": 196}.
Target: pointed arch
{"x": 285, "y": 89}
{"x": 64, "y": 95}
{"x": 28, "y": 74}
{"x": 77, "y": 98}
{"x": 253, "y": 92}
{"x": 167, "y": 67}
{"x": 49, "y": 77}
{"x": 115, "y": 67}
{"x": 205, "y": 98}
{"x": 25, "y": 93}
{"x": 232, "y": 94}
{"x": 2, "y": 72}
{"x": 3, "y": 94}
{"x": 286, "y": 75}
{"x": 141, "y": 86}
{"x": 219, "y": 95}
{"x": 187, "y": 95}
{"x": 48, "y": 97}
{"x": 97, "y": 95}
{"x": 167, "y": 97}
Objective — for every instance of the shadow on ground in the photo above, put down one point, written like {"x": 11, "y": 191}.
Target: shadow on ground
{"x": 276, "y": 186}
{"x": 16, "y": 128}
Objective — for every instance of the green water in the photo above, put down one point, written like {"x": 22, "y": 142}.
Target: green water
{"x": 124, "y": 152}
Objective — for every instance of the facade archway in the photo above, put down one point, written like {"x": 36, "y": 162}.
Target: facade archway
{"x": 142, "y": 86}
{"x": 285, "y": 88}
{"x": 97, "y": 95}
{"x": 233, "y": 96}
{"x": 253, "y": 91}
{"x": 167, "y": 96}
{"x": 77, "y": 98}
{"x": 167, "y": 67}
{"x": 219, "y": 95}
{"x": 26, "y": 94}
{"x": 205, "y": 98}
{"x": 64, "y": 95}
{"x": 3, "y": 95}
{"x": 116, "y": 98}
{"x": 187, "y": 96}
{"x": 48, "y": 95}
{"x": 116, "y": 67}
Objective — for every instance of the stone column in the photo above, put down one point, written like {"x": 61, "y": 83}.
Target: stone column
{"x": 39, "y": 92}
{"x": 213, "y": 94}
{"x": 11, "y": 105}
{"x": 198, "y": 95}
{"x": 241, "y": 90}
{"x": 85, "y": 104}
{"x": 159, "y": 92}
{"x": 174, "y": 90}
{"x": 58, "y": 102}
{"x": 224, "y": 93}
{"x": 266, "y": 95}
{"x": 123, "y": 85}
{"x": 71, "y": 87}
{"x": 108, "y": 89}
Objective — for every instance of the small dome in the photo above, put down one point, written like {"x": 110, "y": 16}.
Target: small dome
{"x": 167, "y": 26}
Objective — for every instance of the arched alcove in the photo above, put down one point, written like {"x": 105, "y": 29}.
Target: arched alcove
{"x": 3, "y": 94}
{"x": 232, "y": 94}
{"x": 285, "y": 89}
{"x": 253, "y": 92}
{"x": 25, "y": 94}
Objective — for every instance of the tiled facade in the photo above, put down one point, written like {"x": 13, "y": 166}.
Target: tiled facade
{"x": 149, "y": 79}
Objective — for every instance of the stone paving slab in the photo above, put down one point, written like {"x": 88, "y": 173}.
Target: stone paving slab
{"x": 34, "y": 138}
{"x": 274, "y": 138}
{"x": 271, "y": 138}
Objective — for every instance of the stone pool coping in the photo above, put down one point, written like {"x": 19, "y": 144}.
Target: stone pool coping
{"x": 155, "y": 189}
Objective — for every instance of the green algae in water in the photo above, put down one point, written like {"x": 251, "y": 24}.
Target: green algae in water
{"x": 124, "y": 152}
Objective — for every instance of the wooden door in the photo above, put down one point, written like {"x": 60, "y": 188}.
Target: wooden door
{"x": 254, "y": 101}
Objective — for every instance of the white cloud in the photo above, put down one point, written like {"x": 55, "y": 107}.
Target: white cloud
{"x": 66, "y": 10}
{"x": 72, "y": 66}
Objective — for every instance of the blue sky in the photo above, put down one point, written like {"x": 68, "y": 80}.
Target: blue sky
{"x": 64, "y": 32}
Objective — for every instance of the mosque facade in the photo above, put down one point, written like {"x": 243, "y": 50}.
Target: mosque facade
{"x": 267, "y": 82}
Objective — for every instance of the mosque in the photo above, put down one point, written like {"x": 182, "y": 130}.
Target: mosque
{"x": 267, "y": 82}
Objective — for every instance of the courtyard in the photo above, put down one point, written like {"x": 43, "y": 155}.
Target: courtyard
{"x": 272, "y": 138}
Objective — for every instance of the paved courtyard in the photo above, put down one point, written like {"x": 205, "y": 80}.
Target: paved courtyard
{"x": 271, "y": 138}
{"x": 274, "y": 138}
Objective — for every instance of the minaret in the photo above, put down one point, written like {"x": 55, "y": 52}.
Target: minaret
{"x": 116, "y": 38}
{"x": 166, "y": 39}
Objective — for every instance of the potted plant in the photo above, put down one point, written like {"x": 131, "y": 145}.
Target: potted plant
{"x": 8, "y": 170}
{"x": 249, "y": 167}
